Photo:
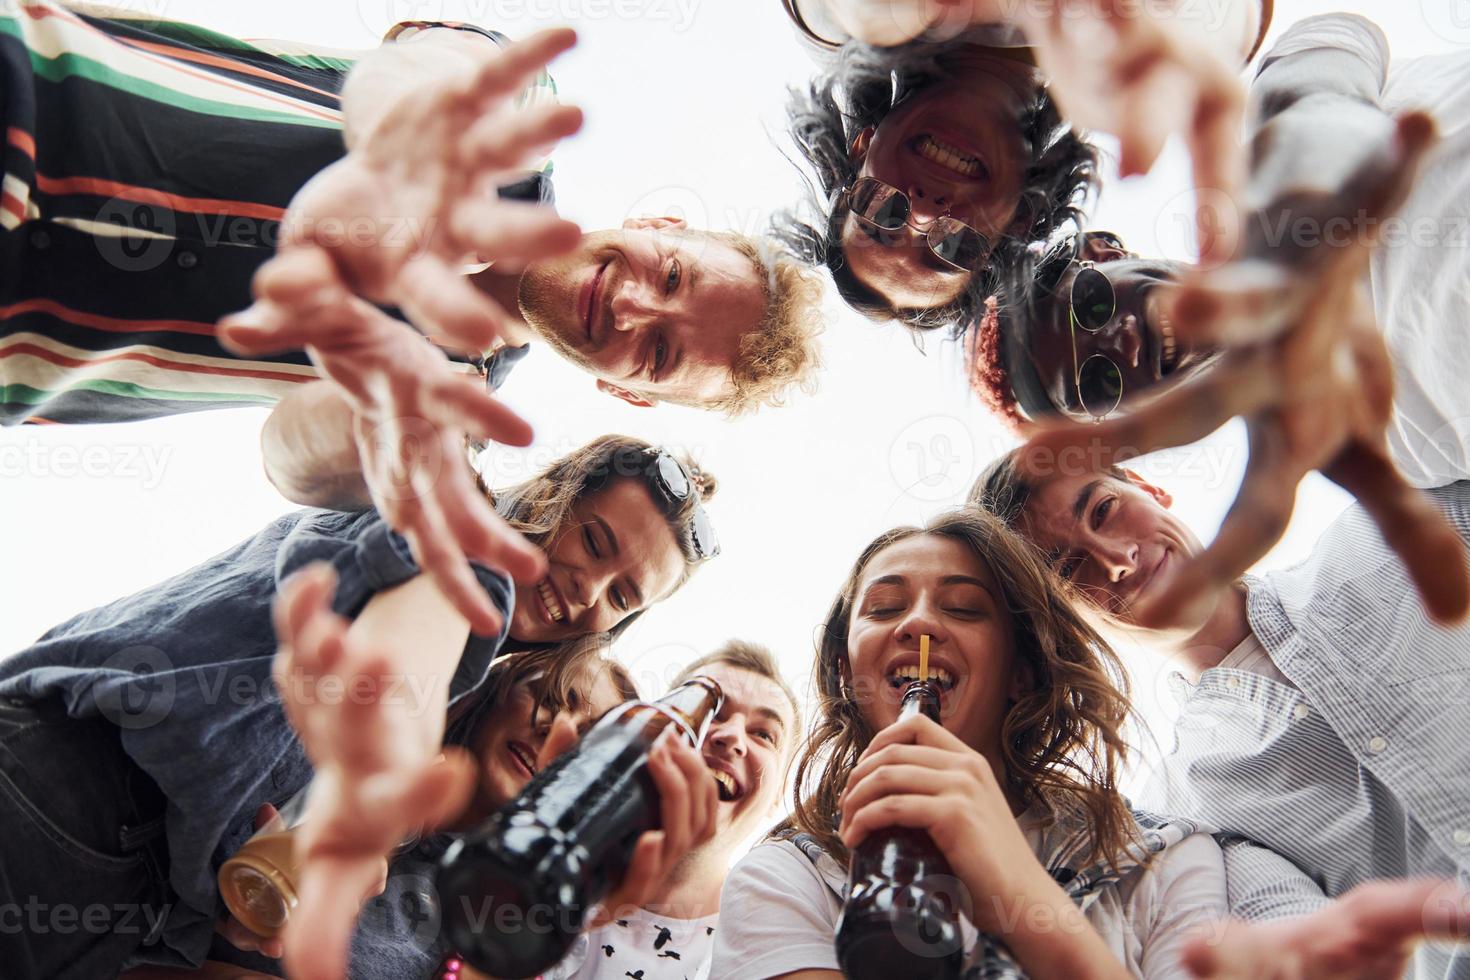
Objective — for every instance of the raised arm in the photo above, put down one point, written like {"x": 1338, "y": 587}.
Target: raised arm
{"x": 309, "y": 452}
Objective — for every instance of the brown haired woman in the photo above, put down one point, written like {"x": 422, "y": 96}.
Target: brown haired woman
{"x": 1018, "y": 787}
{"x": 138, "y": 741}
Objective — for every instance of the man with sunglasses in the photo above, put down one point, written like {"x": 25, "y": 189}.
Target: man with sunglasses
{"x": 1335, "y": 332}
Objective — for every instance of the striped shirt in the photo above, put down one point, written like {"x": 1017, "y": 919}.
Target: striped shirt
{"x": 1356, "y": 769}
{"x": 147, "y": 166}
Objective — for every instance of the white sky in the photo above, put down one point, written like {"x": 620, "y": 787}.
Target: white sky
{"x": 684, "y": 102}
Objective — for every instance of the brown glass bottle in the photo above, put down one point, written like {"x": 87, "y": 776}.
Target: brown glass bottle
{"x": 258, "y": 884}
{"x": 515, "y": 892}
{"x": 899, "y": 919}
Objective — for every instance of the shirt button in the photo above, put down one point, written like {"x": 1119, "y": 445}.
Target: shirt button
{"x": 187, "y": 260}
{"x": 1232, "y": 682}
{"x": 1377, "y": 744}
{"x": 1462, "y": 837}
{"x": 40, "y": 240}
{"x": 1301, "y": 712}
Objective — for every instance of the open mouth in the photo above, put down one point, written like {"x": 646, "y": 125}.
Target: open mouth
{"x": 949, "y": 156}
{"x": 729, "y": 787}
{"x": 523, "y": 757}
{"x": 551, "y": 606}
{"x": 1168, "y": 343}
{"x": 908, "y": 673}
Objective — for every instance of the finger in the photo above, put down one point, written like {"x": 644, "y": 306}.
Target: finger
{"x": 268, "y": 819}
{"x": 440, "y": 301}
{"x": 1152, "y": 109}
{"x": 499, "y": 230}
{"x": 469, "y": 404}
{"x": 891, "y": 780}
{"x": 676, "y": 806}
{"x": 704, "y": 795}
{"x": 507, "y": 71}
{"x": 917, "y": 730}
{"x": 1224, "y": 957}
{"x": 1253, "y": 525}
{"x": 1432, "y": 552}
{"x": 440, "y": 558}
{"x": 484, "y": 535}
{"x": 500, "y": 141}
{"x": 639, "y": 884}
{"x": 923, "y": 756}
{"x": 1184, "y": 413}
{"x": 1243, "y": 302}
{"x": 561, "y": 736}
{"x": 1219, "y": 161}
{"x": 916, "y": 811}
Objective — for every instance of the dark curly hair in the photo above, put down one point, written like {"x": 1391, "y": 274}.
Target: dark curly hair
{"x": 827, "y": 116}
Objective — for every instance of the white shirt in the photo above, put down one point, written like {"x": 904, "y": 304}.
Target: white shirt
{"x": 1251, "y": 656}
{"x": 780, "y": 915}
{"x": 643, "y": 946}
{"x": 1420, "y": 273}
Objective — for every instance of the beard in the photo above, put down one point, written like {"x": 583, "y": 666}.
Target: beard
{"x": 547, "y": 297}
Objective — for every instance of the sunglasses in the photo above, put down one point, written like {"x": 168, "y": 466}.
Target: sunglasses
{"x": 886, "y": 208}
{"x": 1091, "y": 304}
{"x": 669, "y": 477}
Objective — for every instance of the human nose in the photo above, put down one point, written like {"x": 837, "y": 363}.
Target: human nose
{"x": 921, "y": 618}
{"x": 925, "y": 206}
{"x": 1119, "y": 559}
{"x": 632, "y": 306}
{"x": 729, "y": 734}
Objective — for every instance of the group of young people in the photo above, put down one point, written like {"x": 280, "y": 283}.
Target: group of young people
{"x": 364, "y": 242}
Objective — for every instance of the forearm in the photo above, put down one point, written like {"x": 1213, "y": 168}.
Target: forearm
{"x": 309, "y": 451}
{"x": 381, "y": 80}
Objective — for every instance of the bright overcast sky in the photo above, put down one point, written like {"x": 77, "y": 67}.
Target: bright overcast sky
{"x": 684, "y": 116}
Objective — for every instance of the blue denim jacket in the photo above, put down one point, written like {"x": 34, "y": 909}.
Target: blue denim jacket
{"x": 184, "y": 670}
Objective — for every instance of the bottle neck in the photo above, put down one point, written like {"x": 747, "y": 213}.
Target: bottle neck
{"x": 920, "y": 698}
{"x": 694, "y": 705}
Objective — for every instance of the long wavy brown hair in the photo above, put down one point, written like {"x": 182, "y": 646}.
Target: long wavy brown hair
{"x": 1062, "y": 739}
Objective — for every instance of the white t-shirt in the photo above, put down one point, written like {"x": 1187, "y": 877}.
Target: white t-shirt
{"x": 643, "y": 946}
{"x": 778, "y": 913}
{"x": 1420, "y": 274}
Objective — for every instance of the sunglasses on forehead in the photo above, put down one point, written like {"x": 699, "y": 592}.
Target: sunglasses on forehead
{"x": 884, "y": 207}
{"x": 675, "y": 485}
{"x": 1091, "y": 304}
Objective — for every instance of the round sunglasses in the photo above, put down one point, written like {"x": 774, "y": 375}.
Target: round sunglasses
{"x": 884, "y": 207}
{"x": 674, "y": 483}
{"x": 1091, "y": 304}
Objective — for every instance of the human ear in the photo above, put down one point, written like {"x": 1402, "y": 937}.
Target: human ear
{"x": 636, "y": 400}
{"x": 649, "y": 222}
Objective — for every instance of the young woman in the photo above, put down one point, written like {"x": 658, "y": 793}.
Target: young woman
{"x": 1018, "y": 786}
{"x": 937, "y": 161}
{"x": 139, "y": 740}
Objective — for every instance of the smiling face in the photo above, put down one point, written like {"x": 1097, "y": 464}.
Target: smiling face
{"x": 1113, "y": 538}
{"x": 749, "y": 744}
{"x": 507, "y": 744}
{"x": 654, "y": 311}
{"x": 936, "y": 585}
{"x": 616, "y": 555}
{"x": 955, "y": 147}
{"x": 1138, "y": 339}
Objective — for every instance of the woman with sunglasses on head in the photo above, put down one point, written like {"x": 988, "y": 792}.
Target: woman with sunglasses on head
{"x": 142, "y": 737}
{"x": 938, "y": 161}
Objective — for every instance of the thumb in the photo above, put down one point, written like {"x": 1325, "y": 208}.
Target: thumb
{"x": 268, "y": 820}
{"x": 1201, "y": 958}
{"x": 563, "y": 735}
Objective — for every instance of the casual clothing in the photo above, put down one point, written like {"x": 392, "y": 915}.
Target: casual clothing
{"x": 643, "y": 945}
{"x": 182, "y": 673}
{"x": 147, "y": 166}
{"x": 784, "y": 898}
{"x": 1420, "y": 275}
{"x": 1355, "y": 769}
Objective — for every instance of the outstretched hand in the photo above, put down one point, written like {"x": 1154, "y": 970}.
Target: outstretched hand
{"x": 1368, "y": 934}
{"x": 392, "y": 223}
{"x": 1316, "y": 395}
{"x": 377, "y": 780}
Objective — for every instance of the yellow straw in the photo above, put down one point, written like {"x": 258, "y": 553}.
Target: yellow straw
{"x": 924, "y": 657}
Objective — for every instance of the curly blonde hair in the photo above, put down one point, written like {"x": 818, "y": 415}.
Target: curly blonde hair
{"x": 1062, "y": 739}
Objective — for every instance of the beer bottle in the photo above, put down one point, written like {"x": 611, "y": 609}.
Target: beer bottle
{"x": 258, "y": 884}
{"x": 515, "y": 892}
{"x": 899, "y": 920}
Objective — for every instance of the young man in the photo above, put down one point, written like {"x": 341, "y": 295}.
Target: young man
{"x": 1290, "y": 343}
{"x": 749, "y": 748}
{"x": 1325, "y": 714}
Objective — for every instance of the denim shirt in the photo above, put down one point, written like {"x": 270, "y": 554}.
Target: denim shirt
{"x": 184, "y": 670}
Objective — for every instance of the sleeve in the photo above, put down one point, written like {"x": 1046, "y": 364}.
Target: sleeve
{"x": 370, "y": 557}
{"x": 777, "y": 916}
{"x": 1264, "y": 886}
{"x": 1348, "y": 33}
{"x": 1182, "y": 898}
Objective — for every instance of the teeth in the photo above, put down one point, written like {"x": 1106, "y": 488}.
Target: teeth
{"x": 549, "y": 598}
{"x": 948, "y": 156}
{"x": 726, "y": 781}
{"x": 911, "y": 673}
{"x": 1169, "y": 345}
